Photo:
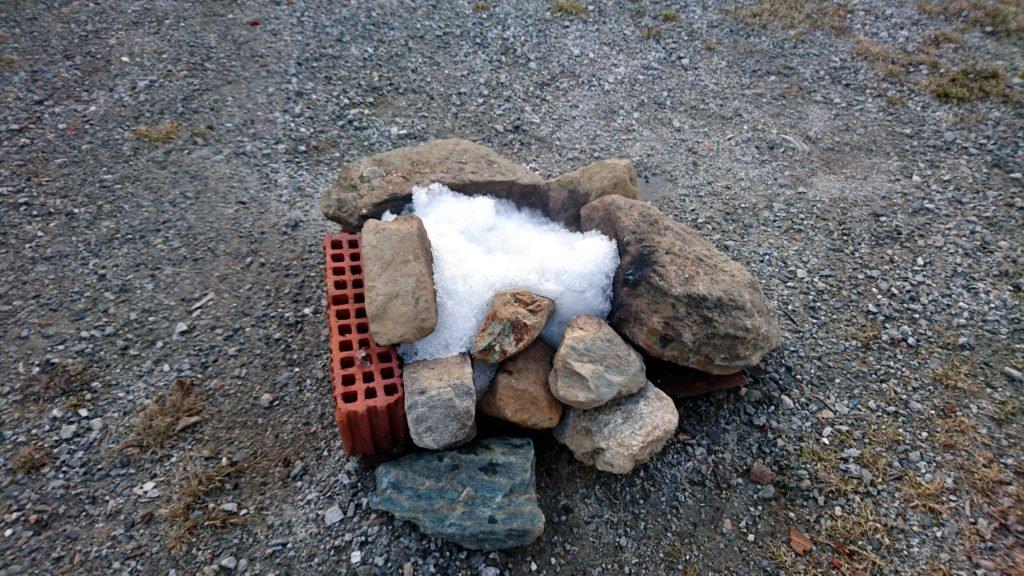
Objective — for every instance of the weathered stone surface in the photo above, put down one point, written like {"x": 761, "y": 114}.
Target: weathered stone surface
{"x": 515, "y": 319}
{"x": 568, "y": 193}
{"x": 482, "y": 496}
{"x": 677, "y": 296}
{"x": 440, "y": 402}
{"x": 371, "y": 185}
{"x": 520, "y": 393}
{"x": 622, "y": 433}
{"x": 594, "y": 365}
{"x": 401, "y": 303}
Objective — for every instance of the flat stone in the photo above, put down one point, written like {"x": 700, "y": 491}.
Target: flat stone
{"x": 761, "y": 474}
{"x": 481, "y": 496}
{"x": 568, "y": 193}
{"x": 520, "y": 392}
{"x": 333, "y": 515}
{"x": 401, "y": 303}
{"x": 440, "y": 402}
{"x": 370, "y": 186}
{"x": 677, "y": 296}
{"x": 621, "y": 434}
{"x": 594, "y": 365}
{"x": 514, "y": 320}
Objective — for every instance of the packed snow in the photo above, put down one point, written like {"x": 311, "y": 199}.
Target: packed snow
{"x": 482, "y": 244}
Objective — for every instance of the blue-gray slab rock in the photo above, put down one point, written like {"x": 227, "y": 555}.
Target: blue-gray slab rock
{"x": 482, "y": 496}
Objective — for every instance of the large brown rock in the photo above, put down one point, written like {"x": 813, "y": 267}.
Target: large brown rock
{"x": 677, "y": 296}
{"x": 401, "y": 303}
{"x": 440, "y": 402}
{"x": 514, "y": 320}
{"x": 519, "y": 392}
{"x": 622, "y": 433}
{"x": 371, "y": 185}
{"x": 594, "y": 365}
{"x": 568, "y": 193}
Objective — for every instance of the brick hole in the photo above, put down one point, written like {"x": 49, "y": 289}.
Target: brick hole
{"x": 340, "y": 285}
{"x": 339, "y": 300}
{"x": 349, "y": 397}
{"x": 368, "y": 377}
{"x": 356, "y": 270}
{"x": 348, "y": 362}
{"x": 360, "y": 312}
{"x": 343, "y": 314}
{"x": 353, "y": 243}
{"x": 390, "y": 389}
{"x": 344, "y": 329}
{"x": 338, "y": 270}
{"x": 355, "y": 256}
{"x": 357, "y": 284}
{"x": 387, "y": 372}
{"x": 362, "y": 328}
{"x": 360, "y": 297}
{"x": 337, "y": 244}
{"x": 370, "y": 393}
{"x": 338, "y": 257}
{"x": 384, "y": 358}
{"x": 348, "y": 379}
{"x": 346, "y": 346}
{"x": 364, "y": 343}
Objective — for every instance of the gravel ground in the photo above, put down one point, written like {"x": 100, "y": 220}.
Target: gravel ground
{"x": 159, "y": 168}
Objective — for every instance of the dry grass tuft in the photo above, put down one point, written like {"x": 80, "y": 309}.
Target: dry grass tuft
{"x": 480, "y": 7}
{"x": 158, "y": 133}
{"x": 161, "y": 420}
{"x": 946, "y": 36}
{"x": 651, "y": 33}
{"x": 954, "y": 376}
{"x": 893, "y": 63}
{"x": 797, "y": 15}
{"x": 1004, "y": 17}
{"x": 191, "y": 506}
{"x": 669, "y": 16}
{"x": 568, "y": 8}
{"x": 969, "y": 84}
{"x": 865, "y": 335}
{"x": 29, "y": 459}
{"x": 927, "y": 496}
{"x": 8, "y": 62}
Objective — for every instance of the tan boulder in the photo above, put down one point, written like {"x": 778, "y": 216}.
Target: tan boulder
{"x": 371, "y": 185}
{"x": 519, "y": 392}
{"x": 440, "y": 402}
{"x": 401, "y": 304}
{"x": 677, "y": 296}
{"x": 594, "y": 365}
{"x": 568, "y": 193}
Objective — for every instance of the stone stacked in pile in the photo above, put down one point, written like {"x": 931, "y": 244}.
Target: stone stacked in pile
{"x": 677, "y": 298}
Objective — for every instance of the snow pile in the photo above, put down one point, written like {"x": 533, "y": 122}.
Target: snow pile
{"x": 482, "y": 244}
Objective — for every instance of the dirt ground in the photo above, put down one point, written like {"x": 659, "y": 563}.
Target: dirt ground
{"x": 161, "y": 259}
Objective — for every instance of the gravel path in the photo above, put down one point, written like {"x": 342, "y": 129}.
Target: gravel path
{"x": 159, "y": 168}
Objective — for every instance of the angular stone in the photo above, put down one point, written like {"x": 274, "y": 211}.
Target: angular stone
{"x": 369, "y": 186}
{"x": 440, "y": 402}
{"x": 594, "y": 365}
{"x": 482, "y": 496}
{"x": 520, "y": 393}
{"x": 568, "y": 193}
{"x": 622, "y": 433}
{"x": 677, "y": 296}
{"x": 401, "y": 303}
{"x": 515, "y": 319}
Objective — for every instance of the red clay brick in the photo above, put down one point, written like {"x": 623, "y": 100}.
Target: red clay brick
{"x": 369, "y": 398}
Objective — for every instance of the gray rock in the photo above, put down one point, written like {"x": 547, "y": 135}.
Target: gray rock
{"x": 440, "y": 402}
{"x": 677, "y": 296}
{"x": 333, "y": 515}
{"x": 482, "y": 496}
{"x": 594, "y": 365}
{"x": 568, "y": 193}
{"x": 68, "y": 431}
{"x": 401, "y": 303}
{"x": 622, "y": 433}
{"x": 370, "y": 186}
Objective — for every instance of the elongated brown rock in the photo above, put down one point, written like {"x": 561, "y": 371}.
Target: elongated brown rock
{"x": 401, "y": 303}
{"x": 677, "y": 296}
{"x": 514, "y": 320}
